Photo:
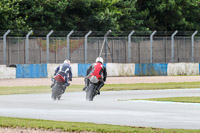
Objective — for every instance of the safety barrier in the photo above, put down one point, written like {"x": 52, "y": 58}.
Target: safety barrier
{"x": 183, "y": 69}
{"x": 52, "y": 67}
{"x": 119, "y": 69}
{"x": 113, "y": 69}
{"x": 149, "y": 69}
{"x": 7, "y": 72}
{"x": 153, "y": 69}
{"x": 31, "y": 70}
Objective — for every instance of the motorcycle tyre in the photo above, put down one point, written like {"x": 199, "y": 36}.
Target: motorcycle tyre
{"x": 55, "y": 92}
{"x": 90, "y": 92}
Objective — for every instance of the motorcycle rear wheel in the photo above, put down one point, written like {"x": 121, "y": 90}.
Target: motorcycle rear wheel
{"x": 90, "y": 92}
{"x": 56, "y": 92}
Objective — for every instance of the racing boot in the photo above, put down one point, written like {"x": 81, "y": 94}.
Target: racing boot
{"x": 86, "y": 83}
{"x": 52, "y": 84}
{"x": 84, "y": 88}
{"x": 63, "y": 90}
{"x": 67, "y": 84}
{"x": 99, "y": 87}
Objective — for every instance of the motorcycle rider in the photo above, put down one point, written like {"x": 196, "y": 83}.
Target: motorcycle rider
{"x": 65, "y": 71}
{"x": 96, "y": 73}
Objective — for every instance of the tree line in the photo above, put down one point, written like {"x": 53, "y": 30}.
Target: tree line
{"x": 100, "y": 15}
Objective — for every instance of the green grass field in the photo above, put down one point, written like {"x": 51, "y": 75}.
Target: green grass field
{"x": 175, "y": 99}
{"x": 78, "y": 126}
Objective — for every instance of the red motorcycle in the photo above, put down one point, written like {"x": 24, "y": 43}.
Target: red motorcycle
{"x": 59, "y": 87}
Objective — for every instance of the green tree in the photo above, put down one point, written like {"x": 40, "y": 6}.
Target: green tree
{"x": 10, "y": 16}
{"x": 129, "y": 18}
{"x": 170, "y": 15}
{"x": 43, "y": 14}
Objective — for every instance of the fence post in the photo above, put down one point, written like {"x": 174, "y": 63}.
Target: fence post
{"x": 4, "y": 46}
{"x": 151, "y": 46}
{"x": 27, "y": 47}
{"x": 129, "y": 46}
{"x": 68, "y": 45}
{"x": 106, "y": 45}
{"x": 192, "y": 39}
{"x": 172, "y": 46}
{"x": 47, "y": 37}
{"x": 86, "y": 45}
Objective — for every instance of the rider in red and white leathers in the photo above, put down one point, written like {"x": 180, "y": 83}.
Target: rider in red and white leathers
{"x": 96, "y": 73}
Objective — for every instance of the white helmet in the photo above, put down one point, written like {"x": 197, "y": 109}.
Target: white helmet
{"x": 67, "y": 62}
{"x": 99, "y": 59}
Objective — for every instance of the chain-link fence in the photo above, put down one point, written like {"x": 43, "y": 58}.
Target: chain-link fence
{"x": 115, "y": 50}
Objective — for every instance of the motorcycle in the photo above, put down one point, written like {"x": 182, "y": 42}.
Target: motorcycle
{"x": 91, "y": 91}
{"x": 59, "y": 87}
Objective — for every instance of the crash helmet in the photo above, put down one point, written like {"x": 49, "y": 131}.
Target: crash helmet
{"x": 99, "y": 59}
{"x": 67, "y": 62}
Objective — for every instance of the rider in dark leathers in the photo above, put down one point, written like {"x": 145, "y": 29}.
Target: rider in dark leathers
{"x": 65, "y": 71}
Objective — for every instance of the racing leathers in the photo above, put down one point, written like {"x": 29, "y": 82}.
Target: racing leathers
{"x": 96, "y": 73}
{"x": 65, "y": 71}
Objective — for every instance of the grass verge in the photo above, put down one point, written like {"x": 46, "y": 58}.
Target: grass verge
{"x": 151, "y": 86}
{"x": 175, "y": 99}
{"x": 78, "y": 127}
{"x": 108, "y": 87}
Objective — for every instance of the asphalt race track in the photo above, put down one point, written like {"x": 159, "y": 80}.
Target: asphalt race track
{"x": 108, "y": 108}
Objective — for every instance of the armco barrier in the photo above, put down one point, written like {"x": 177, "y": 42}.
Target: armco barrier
{"x": 7, "y": 72}
{"x": 82, "y": 69}
{"x": 153, "y": 69}
{"x": 119, "y": 69}
{"x": 31, "y": 71}
{"x": 183, "y": 69}
{"x": 52, "y": 67}
{"x": 113, "y": 69}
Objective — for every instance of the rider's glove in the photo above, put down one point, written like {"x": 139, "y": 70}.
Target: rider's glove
{"x": 67, "y": 84}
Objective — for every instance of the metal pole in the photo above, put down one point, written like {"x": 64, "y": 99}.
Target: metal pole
{"x": 104, "y": 42}
{"x": 86, "y": 45}
{"x": 4, "y": 46}
{"x": 68, "y": 45}
{"x": 106, "y": 45}
{"x": 47, "y": 37}
{"x": 151, "y": 46}
{"x": 27, "y": 47}
{"x": 172, "y": 46}
{"x": 129, "y": 46}
{"x": 193, "y": 44}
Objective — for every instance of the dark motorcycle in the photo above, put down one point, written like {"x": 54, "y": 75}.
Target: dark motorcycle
{"x": 91, "y": 91}
{"x": 58, "y": 88}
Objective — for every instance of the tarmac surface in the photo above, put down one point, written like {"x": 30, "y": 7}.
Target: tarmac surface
{"x": 113, "y": 107}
